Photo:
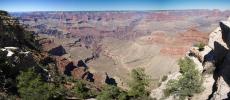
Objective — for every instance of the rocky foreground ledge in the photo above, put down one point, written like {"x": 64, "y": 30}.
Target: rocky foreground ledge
{"x": 214, "y": 65}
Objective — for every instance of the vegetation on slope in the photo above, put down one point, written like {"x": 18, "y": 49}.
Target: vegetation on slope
{"x": 14, "y": 34}
{"x": 138, "y": 84}
{"x": 188, "y": 84}
{"x": 32, "y": 86}
{"x": 17, "y": 79}
{"x": 112, "y": 92}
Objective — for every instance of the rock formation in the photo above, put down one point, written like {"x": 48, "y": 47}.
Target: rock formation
{"x": 216, "y": 60}
{"x": 213, "y": 62}
{"x": 222, "y": 62}
{"x": 58, "y": 51}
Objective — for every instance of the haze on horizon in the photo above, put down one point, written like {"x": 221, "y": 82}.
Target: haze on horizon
{"x": 108, "y": 5}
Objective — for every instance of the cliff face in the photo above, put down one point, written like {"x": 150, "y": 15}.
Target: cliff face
{"x": 222, "y": 62}
{"x": 214, "y": 64}
{"x": 216, "y": 60}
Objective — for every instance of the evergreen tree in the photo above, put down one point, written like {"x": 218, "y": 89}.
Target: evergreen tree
{"x": 139, "y": 83}
{"x": 32, "y": 87}
{"x": 80, "y": 89}
{"x": 188, "y": 84}
{"x": 111, "y": 92}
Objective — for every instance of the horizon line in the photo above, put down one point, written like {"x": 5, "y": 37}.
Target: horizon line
{"x": 112, "y": 10}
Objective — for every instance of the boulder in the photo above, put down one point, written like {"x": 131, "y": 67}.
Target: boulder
{"x": 78, "y": 73}
{"x": 58, "y": 51}
{"x": 62, "y": 63}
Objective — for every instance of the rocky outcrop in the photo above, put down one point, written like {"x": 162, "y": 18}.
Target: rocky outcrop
{"x": 62, "y": 63}
{"x": 47, "y": 44}
{"x": 217, "y": 61}
{"x": 222, "y": 57}
{"x": 69, "y": 68}
{"x": 214, "y": 63}
{"x": 58, "y": 51}
{"x": 158, "y": 93}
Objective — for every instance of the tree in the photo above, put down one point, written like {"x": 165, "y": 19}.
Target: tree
{"x": 13, "y": 34}
{"x": 9, "y": 69}
{"x": 112, "y": 92}
{"x": 138, "y": 83}
{"x": 4, "y": 66}
{"x": 80, "y": 89}
{"x": 186, "y": 65}
{"x": 11, "y": 80}
{"x": 32, "y": 87}
{"x": 188, "y": 84}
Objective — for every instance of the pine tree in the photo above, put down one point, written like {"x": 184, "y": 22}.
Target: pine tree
{"x": 139, "y": 83}
{"x": 32, "y": 87}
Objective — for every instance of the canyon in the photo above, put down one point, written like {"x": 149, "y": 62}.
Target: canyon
{"x": 113, "y": 43}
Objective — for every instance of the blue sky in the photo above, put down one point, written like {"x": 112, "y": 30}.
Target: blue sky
{"x": 106, "y": 5}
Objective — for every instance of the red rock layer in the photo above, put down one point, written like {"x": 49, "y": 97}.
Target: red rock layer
{"x": 177, "y": 45}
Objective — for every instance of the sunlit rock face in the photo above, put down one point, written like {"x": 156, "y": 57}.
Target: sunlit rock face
{"x": 215, "y": 60}
{"x": 225, "y": 28}
{"x": 219, "y": 41}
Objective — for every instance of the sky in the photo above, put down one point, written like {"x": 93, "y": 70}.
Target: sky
{"x": 110, "y": 5}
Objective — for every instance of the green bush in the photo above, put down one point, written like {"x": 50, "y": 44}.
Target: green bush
{"x": 200, "y": 46}
{"x": 171, "y": 87}
{"x": 31, "y": 87}
{"x": 140, "y": 81}
{"x": 186, "y": 65}
{"x": 138, "y": 84}
{"x": 111, "y": 92}
{"x": 80, "y": 89}
{"x": 188, "y": 84}
{"x": 10, "y": 68}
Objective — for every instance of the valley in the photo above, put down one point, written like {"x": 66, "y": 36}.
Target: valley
{"x": 115, "y": 42}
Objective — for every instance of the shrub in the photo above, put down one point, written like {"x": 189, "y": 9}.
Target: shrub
{"x": 138, "y": 83}
{"x": 111, "y": 92}
{"x": 80, "y": 89}
{"x": 200, "y": 46}
{"x": 31, "y": 86}
{"x": 189, "y": 83}
{"x": 186, "y": 65}
{"x": 171, "y": 87}
{"x": 10, "y": 68}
